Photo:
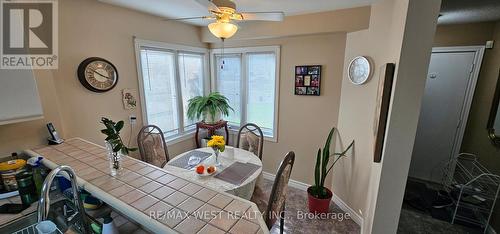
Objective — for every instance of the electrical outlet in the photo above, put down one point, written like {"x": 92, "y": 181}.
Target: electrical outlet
{"x": 132, "y": 120}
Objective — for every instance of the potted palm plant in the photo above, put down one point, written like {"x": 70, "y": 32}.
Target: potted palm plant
{"x": 209, "y": 107}
{"x": 319, "y": 196}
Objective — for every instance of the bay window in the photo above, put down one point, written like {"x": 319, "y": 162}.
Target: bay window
{"x": 249, "y": 78}
{"x": 170, "y": 75}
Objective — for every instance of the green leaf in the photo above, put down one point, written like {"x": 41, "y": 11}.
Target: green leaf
{"x": 212, "y": 104}
{"x": 117, "y": 148}
{"x": 119, "y": 126}
{"x": 132, "y": 149}
{"x": 317, "y": 172}
{"x": 326, "y": 157}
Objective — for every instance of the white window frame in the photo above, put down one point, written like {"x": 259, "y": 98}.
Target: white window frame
{"x": 176, "y": 49}
{"x": 243, "y": 51}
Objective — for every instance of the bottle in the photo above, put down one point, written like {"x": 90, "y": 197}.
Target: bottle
{"x": 108, "y": 227}
{"x": 26, "y": 187}
{"x": 38, "y": 173}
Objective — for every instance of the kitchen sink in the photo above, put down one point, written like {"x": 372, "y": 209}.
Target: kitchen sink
{"x": 61, "y": 213}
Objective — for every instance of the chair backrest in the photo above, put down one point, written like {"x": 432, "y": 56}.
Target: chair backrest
{"x": 251, "y": 138}
{"x": 277, "y": 198}
{"x": 152, "y": 146}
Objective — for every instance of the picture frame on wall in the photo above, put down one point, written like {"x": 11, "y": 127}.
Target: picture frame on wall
{"x": 382, "y": 108}
{"x": 308, "y": 80}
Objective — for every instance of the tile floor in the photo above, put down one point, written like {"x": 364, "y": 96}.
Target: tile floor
{"x": 417, "y": 222}
{"x": 296, "y": 201}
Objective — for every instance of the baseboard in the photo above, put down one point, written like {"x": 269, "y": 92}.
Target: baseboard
{"x": 337, "y": 200}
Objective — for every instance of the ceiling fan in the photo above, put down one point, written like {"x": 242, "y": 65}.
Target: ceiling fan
{"x": 225, "y": 14}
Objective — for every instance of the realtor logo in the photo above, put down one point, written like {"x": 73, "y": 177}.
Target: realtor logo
{"x": 29, "y": 34}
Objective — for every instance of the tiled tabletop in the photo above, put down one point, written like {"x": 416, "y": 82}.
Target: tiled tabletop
{"x": 146, "y": 190}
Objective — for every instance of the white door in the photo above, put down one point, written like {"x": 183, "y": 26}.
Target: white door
{"x": 440, "y": 123}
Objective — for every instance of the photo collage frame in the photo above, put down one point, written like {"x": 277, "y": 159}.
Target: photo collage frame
{"x": 308, "y": 80}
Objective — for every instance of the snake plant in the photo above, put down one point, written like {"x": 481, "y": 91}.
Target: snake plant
{"x": 201, "y": 106}
{"x": 322, "y": 167}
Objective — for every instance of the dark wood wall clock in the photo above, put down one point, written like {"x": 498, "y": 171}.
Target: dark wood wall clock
{"x": 97, "y": 74}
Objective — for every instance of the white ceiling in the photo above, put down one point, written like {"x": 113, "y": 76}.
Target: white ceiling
{"x": 190, "y": 8}
{"x": 452, "y": 11}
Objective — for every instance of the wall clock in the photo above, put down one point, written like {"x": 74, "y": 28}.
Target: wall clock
{"x": 97, "y": 74}
{"x": 359, "y": 70}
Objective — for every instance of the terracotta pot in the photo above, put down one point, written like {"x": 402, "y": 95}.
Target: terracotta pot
{"x": 317, "y": 205}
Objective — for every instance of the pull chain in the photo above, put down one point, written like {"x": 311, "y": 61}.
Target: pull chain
{"x": 223, "y": 62}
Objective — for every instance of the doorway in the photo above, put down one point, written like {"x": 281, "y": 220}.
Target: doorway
{"x": 449, "y": 88}
{"x": 451, "y": 80}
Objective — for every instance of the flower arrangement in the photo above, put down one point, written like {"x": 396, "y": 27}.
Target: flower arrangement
{"x": 218, "y": 144}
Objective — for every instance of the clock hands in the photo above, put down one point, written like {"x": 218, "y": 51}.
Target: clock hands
{"x": 98, "y": 73}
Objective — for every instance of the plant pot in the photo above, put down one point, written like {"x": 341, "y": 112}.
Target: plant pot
{"x": 211, "y": 119}
{"x": 318, "y": 205}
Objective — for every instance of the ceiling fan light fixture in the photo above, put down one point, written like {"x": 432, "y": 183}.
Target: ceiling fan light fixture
{"x": 223, "y": 30}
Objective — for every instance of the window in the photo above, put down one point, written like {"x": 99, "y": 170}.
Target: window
{"x": 248, "y": 77}
{"x": 170, "y": 75}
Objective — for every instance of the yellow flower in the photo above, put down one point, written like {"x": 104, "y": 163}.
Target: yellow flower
{"x": 218, "y": 138}
{"x": 217, "y": 142}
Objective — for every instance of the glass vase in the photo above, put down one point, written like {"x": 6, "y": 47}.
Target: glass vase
{"x": 216, "y": 155}
{"x": 115, "y": 160}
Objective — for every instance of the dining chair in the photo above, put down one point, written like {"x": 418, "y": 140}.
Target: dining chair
{"x": 276, "y": 205}
{"x": 251, "y": 138}
{"x": 152, "y": 146}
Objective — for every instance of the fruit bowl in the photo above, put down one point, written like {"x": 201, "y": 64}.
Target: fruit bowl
{"x": 205, "y": 170}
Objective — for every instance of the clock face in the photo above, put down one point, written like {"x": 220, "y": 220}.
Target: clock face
{"x": 97, "y": 74}
{"x": 359, "y": 70}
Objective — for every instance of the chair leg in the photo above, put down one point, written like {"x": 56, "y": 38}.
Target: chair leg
{"x": 282, "y": 220}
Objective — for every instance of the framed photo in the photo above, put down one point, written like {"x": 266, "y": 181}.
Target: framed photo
{"x": 308, "y": 80}
{"x": 299, "y": 81}
{"x": 300, "y": 91}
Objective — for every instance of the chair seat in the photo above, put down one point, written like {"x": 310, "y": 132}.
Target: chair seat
{"x": 261, "y": 194}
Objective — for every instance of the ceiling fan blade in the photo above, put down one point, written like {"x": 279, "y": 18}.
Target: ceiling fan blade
{"x": 191, "y": 18}
{"x": 209, "y": 5}
{"x": 263, "y": 16}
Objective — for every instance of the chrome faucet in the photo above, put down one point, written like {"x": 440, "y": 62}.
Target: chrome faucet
{"x": 44, "y": 202}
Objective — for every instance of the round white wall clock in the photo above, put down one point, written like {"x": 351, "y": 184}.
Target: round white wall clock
{"x": 359, "y": 70}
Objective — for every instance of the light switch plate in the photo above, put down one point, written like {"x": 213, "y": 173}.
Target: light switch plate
{"x": 489, "y": 44}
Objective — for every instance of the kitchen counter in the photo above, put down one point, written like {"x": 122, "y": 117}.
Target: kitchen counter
{"x": 159, "y": 201}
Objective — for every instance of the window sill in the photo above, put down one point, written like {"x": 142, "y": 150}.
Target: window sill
{"x": 179, "y": 138}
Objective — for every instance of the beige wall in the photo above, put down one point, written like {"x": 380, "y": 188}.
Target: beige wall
{"x": 304, "y": 121}
{"x": 464, "y": 34}
{"x": 19, "y": 136}
{"x": 89, "y": 28}
{"x": 476, "y": 136}
{"x": 375, "y": 190}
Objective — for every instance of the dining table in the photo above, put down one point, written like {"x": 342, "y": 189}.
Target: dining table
{"x": 234, "y": 160}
